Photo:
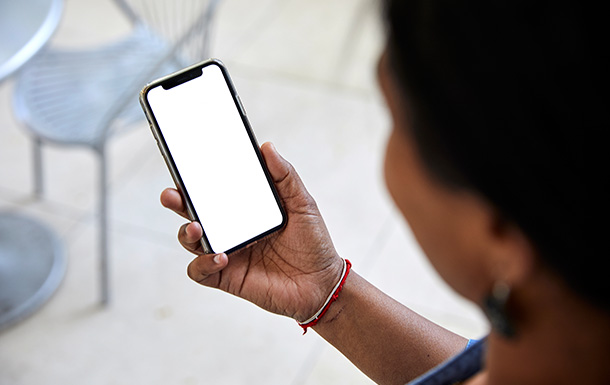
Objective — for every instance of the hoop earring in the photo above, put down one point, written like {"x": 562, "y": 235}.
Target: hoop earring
{"x": 495, "y": 308}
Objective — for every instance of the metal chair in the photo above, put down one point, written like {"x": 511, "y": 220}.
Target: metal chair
{"x": 83, "y": 97}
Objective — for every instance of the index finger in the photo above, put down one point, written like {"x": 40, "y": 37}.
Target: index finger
{"x": 172, "y": 199}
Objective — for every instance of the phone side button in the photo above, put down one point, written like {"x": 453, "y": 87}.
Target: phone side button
{"x": 162, "y": 150}
{"x": 241, "y": 106}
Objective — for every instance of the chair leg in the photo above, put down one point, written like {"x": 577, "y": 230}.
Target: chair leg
{"x": 37, "y": 162}
{"x": 103, "y": 228}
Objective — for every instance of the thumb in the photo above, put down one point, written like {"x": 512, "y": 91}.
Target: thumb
{"x": 284, "y": 175}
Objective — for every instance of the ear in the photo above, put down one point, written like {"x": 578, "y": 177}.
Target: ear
{"x": 511, "y": 255}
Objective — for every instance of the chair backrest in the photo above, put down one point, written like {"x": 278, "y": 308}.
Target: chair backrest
{"x": 84, "y": 96}
{"x": 184, "y": 28}
{"x": 184, "y": 24}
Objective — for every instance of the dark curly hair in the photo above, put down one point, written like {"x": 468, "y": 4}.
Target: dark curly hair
{"x": 506, "y": 99}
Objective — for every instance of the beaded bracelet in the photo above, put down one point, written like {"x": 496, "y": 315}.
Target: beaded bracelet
{"x": 334, "y": 294}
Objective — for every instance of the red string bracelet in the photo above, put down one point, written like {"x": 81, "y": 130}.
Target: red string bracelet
{"x": 347, "y": 265}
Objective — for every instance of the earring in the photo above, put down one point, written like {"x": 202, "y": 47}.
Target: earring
{"x": 495, "y": 307}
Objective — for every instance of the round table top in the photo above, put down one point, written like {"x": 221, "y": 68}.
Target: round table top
{"x": 25, "y": 27}
{"x": 32, "y": 265}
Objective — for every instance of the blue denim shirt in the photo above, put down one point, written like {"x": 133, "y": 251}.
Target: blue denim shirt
{"x": 457, "y": 369}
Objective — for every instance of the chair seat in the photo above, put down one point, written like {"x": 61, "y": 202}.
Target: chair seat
{"x": 66, "y": 96}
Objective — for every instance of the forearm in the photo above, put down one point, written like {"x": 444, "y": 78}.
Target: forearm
{"x": 388, "y": 342}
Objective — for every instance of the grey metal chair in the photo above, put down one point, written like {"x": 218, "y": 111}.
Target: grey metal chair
{"x": 83, "y": 97}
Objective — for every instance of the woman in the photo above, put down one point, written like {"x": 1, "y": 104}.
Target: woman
{"x": 492, "y": 161}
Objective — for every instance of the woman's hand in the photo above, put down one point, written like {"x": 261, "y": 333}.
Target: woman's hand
{"x": 290, "y": 272}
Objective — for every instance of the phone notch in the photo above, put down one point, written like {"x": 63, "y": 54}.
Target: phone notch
{"x": 182, "y": 78}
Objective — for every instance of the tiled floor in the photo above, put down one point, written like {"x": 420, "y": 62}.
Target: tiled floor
{"x": 305, "y": 71}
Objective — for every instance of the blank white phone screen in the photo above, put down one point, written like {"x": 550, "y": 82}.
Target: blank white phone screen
{"x": 215, "y": 158}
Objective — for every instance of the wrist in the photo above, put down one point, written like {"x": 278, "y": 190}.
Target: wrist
{"x": 338, "y": 309}
{"x": 330, "y": 299}
{"x": 316, "y": 288}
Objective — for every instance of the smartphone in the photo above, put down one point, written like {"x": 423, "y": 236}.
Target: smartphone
{"x": 203, "y": 133}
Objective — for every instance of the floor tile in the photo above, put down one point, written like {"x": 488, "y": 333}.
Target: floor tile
{"x": 317, "y": 36}
{"x": 333, "y": 368}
